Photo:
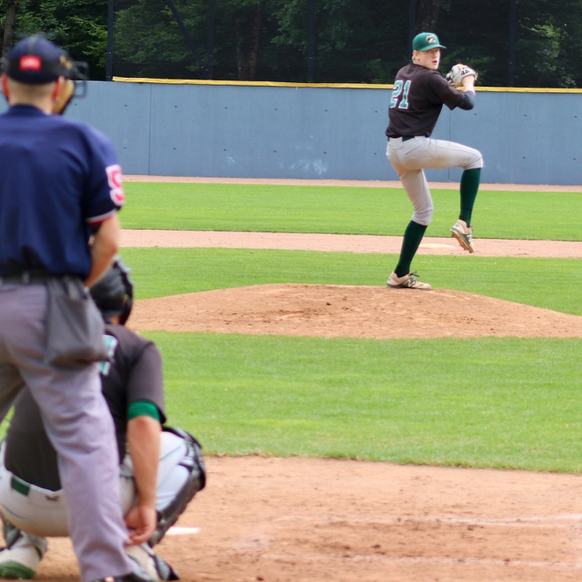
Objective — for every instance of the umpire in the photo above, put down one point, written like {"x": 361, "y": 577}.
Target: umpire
{"x": 161, "y": 468}
{"x": 60, "y": 190}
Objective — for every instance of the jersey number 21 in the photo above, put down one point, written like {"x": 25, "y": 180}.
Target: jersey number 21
{"x": 400, "y": 93}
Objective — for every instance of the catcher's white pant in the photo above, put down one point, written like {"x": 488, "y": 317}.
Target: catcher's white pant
{"x": 43, "y": 513}
{"x": 410, "y": 157}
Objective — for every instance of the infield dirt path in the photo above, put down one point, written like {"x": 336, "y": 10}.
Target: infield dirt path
{"x": 345, "y": 243}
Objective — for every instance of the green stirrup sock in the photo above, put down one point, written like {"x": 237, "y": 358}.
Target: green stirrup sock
{"x": 412, "y": 237}
{"x": 470, "y": 181}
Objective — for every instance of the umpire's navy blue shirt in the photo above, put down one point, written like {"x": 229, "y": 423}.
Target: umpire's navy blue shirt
{"x": 58, "y": 178}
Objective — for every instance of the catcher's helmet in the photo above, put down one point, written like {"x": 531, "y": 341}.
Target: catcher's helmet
{"x": 113, "y": 293}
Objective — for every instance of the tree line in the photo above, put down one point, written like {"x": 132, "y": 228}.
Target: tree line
{"x": 321, "y": 41}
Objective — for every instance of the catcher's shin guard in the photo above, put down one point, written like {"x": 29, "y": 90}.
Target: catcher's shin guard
{"x": 15, "y": 537}
{"x": 194, "y": 463}
{"x": 22, "y": 554}
{"x": 11, "y": 533}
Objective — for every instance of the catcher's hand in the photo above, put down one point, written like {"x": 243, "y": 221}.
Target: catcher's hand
{"x": 141, "y": 522}
{"x": 456, "y": 75}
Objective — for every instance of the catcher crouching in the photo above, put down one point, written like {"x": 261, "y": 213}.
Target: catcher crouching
{"x": 161, "y": 468}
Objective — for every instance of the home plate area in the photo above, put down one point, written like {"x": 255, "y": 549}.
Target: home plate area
{"x": 312, "y": 520}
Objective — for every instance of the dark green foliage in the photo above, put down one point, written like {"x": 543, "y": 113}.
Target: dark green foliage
{"x": 354, "y": 41}
{"x": 79, "y": 26}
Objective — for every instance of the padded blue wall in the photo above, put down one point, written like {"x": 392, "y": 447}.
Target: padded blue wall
{"x": 323, "y": 133}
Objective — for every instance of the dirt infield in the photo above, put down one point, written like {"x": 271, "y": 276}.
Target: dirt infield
{"x": 310, "y": 520}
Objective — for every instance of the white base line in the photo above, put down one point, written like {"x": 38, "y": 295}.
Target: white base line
{"x": 436, "y": 246}
{"x": 183, "y": 531}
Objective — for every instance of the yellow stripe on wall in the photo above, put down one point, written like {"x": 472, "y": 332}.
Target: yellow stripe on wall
{"x": 323, "y": 85}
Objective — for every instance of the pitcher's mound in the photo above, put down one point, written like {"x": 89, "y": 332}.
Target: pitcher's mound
{"x": 349, "y": 311}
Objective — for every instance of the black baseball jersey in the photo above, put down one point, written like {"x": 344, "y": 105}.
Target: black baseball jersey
{"x": 417, "y": 100}
{"x": 135, "y": 373}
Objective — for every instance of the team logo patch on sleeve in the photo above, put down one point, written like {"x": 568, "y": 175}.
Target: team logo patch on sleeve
{"x": 115, "y": 180}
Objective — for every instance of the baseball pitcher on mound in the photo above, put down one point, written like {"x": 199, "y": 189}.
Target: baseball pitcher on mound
{"x": 417, "y": 99}
{"x": 160, "y": 471}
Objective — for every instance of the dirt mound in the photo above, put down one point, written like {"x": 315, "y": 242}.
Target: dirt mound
{"x": 349, "y": 311}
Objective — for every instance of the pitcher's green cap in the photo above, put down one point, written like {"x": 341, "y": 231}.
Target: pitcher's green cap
{"x": 426, "y": 41}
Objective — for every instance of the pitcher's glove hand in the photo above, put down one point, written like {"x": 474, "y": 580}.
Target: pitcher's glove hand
{"x": 456, "y": 75}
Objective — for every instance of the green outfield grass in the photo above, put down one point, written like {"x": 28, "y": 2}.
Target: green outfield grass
{"x": 489, "y": 402}
{"x": 549, "y": 283}
{"x": 506, "y": 403}
{"x": 346, "y": 210}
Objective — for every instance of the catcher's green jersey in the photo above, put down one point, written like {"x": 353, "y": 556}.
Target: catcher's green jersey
{"x": 417, "y": 100}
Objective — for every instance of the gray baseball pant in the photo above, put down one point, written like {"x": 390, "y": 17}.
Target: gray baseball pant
{"x": 410, "y": 157}
{"x": 78, "y": 424}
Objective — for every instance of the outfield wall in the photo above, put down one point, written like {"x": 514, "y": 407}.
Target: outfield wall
{"x": 324, "y": 132}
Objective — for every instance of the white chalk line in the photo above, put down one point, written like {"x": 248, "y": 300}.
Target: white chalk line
{"x": 436, "y": 246}
{"x": 183, "y": 531}
{"x": 525, "y": 521}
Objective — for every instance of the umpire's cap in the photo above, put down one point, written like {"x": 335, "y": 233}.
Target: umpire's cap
{"x": 113, "y": 293}
{"x": 37, "y": 61}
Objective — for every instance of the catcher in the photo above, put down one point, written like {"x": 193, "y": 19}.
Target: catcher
{"x": 417, "y": 99}
{"x": 32, "y": 501}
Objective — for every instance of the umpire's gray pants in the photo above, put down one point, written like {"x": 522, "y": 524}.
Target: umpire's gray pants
{"x": 78, "y": 424}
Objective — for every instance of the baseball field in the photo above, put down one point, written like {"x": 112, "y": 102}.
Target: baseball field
{"x": 352, "y": 432}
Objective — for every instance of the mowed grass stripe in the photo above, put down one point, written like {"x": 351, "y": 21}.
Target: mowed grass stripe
{"x": 344, "y": 210}
{"x": 505, "y": 403}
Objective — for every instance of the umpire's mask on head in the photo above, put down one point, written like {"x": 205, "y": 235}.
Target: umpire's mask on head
{"x": 113, "y": 293}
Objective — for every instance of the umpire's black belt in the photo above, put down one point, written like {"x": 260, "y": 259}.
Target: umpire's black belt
{"x": 32, "y": 277}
